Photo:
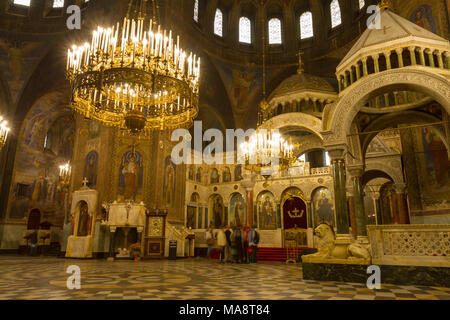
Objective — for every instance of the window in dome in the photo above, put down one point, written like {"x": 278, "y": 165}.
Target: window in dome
{"x": 306, "y": 25}
{"x": 218, "y": 23}
{"x": 196, "y": 11}
{"x": 275, "y": 31}
{"x": 22, "y": 2}
{"x": 58, "y": 3}
{"x": 335, "y": 13}
{"x": 362, "y": 3}
{"x": 245, "y": 30}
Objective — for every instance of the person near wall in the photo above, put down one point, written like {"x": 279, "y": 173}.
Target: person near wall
{"x": 209, "y": 241}
{"x": 33, "y": 243}
{"x": 228, "y": 245}
{"x": 253, "y": 240}
{"x": 245, "y": 255}
{"x": 236, "y": 244}
{"x": 221, "y": 242}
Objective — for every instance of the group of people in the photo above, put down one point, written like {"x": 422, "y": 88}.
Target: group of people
{"x": 236, "y": 244}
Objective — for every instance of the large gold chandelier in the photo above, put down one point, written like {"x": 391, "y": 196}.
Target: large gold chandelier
{"x": 135, "y": 76}
{"x": 266, "y": 151}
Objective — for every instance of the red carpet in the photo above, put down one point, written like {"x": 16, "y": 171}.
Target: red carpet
{"x": 275, "y": 254}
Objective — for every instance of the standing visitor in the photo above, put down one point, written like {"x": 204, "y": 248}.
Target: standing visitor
{"x": 33, "y": 241}
{"x": 245, "y": 256}
{"x": 253, "y": 237}
{"x": 228, "y": 245}
{"x": 209, "y": 241}
{"x": 236, "y": 241}
{"x": 221, "y": 242}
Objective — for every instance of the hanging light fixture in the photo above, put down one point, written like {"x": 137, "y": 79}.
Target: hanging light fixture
{"x": 266, "y": 151}
{"x": 135, "y": 76}
{"x": 4, "y": 130}
{"x": 64, "y": 173}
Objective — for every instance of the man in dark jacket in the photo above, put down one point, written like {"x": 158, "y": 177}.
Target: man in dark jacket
{"x": 34, "y": 242}
{"x": 253, "y": 240}
{"x": 228, "y": 246}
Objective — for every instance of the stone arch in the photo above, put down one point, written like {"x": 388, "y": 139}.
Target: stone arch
{"x": 373, "y": 174}
{"x": 414, "y": 78}
{"x": 396, "y": 174}
{"x": 296, "y": 119}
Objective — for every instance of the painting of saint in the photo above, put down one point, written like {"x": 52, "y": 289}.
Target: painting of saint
{"x": 191, "y": 215}
{"x": 216, "y": 204}
{"x": 131, "y": 172}
{"x": 238, "y": 210}
{"x": 94, "y": 129}
{"x": 191, "y": 173}
{"x": 226, "y": 175}
{"x": 83, "y": 220}
{"x": 323, "y": 207}
{"x": 267, "y": 211}
{"x": 214, "y": 176}
{"x": 90, "y": 168}
{"x": 423, "y": 17}
{"x": 169, "y": 182}
{"x": 437, "y": 162}
{"x": 238, "y": 173}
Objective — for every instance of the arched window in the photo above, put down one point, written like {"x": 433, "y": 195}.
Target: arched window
{"x": 306, "y": 25}
{"x": 275, "y": 31}
{"x": 58, "y": 3}
{"x": 335, "y": 10}
{"x": 22, "y": 2}
{"x": 218, "y": 23}
{"x": 362, "y": 3}
{"x": 196, "y": 11}
{"x": 245, "y": 30}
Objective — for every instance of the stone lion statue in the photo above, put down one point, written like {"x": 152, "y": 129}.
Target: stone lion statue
{"x": 326, "y": 237}
{"x": 358, "y": 251}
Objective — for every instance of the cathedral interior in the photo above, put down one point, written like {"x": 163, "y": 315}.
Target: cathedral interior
{"x": 92, "y": 120}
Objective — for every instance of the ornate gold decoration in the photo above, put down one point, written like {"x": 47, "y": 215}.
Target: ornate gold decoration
{"x": 384, "y": 4}
{"x": 155, "y": 225}
{"x": 135, "y": 76}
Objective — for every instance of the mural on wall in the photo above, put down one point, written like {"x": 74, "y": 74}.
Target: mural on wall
{"x": 131, "y": 175}
{"x": 198, "y": 176}
{"x": 45, "y": 142}
{"x": 191, "y": 216}
{"x": 90, "y": 168}
{"x": 423, "y": 17}
{"x": 433, "y": 167}
{"x": 226, "y": 174}
{"x": 215, "y": 176}
{"x": 191, "y": 173}
{"x": 323, "y": 207}
{"x": 267, "y": 211}
{"x": 238, "y": 173}
{"x": 169, "y": 182}
{"x": 217, "y": 211}
{"x": 238, "y": 210}
{"x": 94, "y": 129}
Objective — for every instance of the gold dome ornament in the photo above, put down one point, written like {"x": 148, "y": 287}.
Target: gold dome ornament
{"x": 135, "y": 76}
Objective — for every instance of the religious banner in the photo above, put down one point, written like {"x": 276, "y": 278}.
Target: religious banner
{"x": 295, "y": 213}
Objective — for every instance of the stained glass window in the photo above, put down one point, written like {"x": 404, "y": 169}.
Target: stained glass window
{"x": 362, "y": 3}
{"x": 22, "y": 2}
{"x": 306, "y": 25}
{"x": 58, "y": 3}
{"x": 218, "y": 23}
{"x": 335, "y": 13}
{"x": 245, "y": 30}
{"x": 196, "y": 10}
{"x": 275, "y": 31}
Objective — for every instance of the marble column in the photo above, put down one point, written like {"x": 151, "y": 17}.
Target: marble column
{"x": 430, "y": 57}
{"x": 376, "y": 63}
{"x": 422, "y": 56}
{"x": 361, "y": 218}
{"x": 403, "y": 215}
{"x": 439, "y": 58}
{"x": 400, "y": 57}
{"x": 358, "y": 71}
{"x": 343, "y": 238}
{"x": 364, "y": 61}
{"x": 388, "y": 60}
{"x": 249, "y": 203}
{"x": 447, "y": 58}
{"x": 412, "y": 52}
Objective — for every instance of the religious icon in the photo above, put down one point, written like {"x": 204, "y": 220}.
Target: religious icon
{"x": 423, "y": 17}
{"x": 238, "y": 173}
{"x": 130, "y": 180}
{"x": 218, "y": 211}
{"x": 94, "y": 129}
{"x": 214, "y": 176}
{"x": 191, "y": 173}
{"x": 238, "y": 209}
{"x": 437, "y": 162}
{"x": 198, "y": 176}
{"x": 83, "y": 221}
{"x": 267, "y": 211}
{"x": 90, "y": 168}
{"x": 169, "y": 182}
{"x": 323, "y": 207}
{"x": 191, "y": 215}
{"x": 226, "y": 175}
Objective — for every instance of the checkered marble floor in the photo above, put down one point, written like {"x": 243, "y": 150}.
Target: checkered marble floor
{"x": 44, "y": 278}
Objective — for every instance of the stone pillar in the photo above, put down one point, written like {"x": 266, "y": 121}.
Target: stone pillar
{"x": 309, "y": 214}
{"x": 345, "y": 79}
{"x": 376, "y": 63}
{"x": 249, "y": 204}
{"x": 341, "y": 87}
{"x": 439, "y": 57}
{"x": 351, "y": 208}
{"x": 422, "y": 56}
{"x": 364, "y": 61}
{"x": 112, "y": 242}
{"x": 447, "y": 58}
{"x": 360, "y": 213}
{"x": 387, "y": 55}
{"x": 352, "y": 78}
{"x": 343, "y": 238}
{"x": 358, "y": 71}
{"x": 400, "y": 57}
{"x": 376, "y": 205}
{"x": 430, "y": 57}
{"x": 403, "y": 215}
{"x": 412, "y": 53}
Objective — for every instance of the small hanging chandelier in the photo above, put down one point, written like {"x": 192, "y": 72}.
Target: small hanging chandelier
{"x": 4, "y": 130}
{"x": 64, "y": 173}
{"x": 135, "y": 76}
{"x": 266, "y": 151}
